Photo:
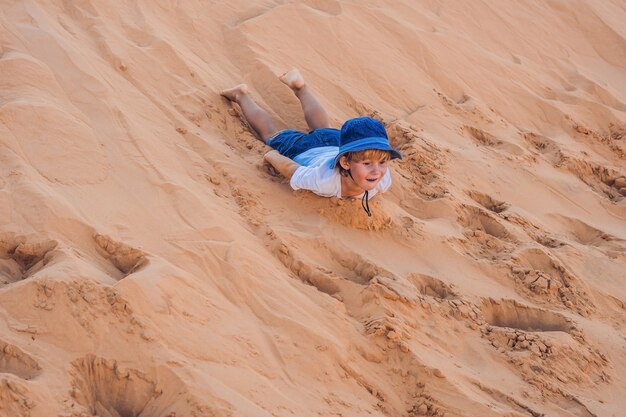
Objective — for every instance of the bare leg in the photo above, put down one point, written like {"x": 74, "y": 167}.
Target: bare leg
{"x": 314, "y": 114}
{"x": 258, "y": 118}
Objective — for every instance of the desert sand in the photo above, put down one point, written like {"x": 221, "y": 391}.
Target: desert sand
{"x": 151, "y": 266}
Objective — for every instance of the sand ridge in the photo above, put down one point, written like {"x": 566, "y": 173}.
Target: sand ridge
{"x": 151, "y": 265}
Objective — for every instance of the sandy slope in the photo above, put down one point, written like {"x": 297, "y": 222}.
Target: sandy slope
{"x": 150, "y": 266}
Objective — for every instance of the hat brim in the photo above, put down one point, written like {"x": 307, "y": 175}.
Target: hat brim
{"x": 367, "y": 143}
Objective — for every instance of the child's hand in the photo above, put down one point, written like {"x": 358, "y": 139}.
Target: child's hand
{"x": 267, "y": 165}
{"x": 281, "y": 164}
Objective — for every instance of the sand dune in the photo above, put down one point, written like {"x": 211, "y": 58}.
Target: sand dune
{"x": 151, "y": 266}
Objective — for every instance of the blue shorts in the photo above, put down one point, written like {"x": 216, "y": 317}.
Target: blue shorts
{"x": 292, "y": 143}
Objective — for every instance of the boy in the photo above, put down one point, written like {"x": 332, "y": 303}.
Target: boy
{"x": 346, "y": 163}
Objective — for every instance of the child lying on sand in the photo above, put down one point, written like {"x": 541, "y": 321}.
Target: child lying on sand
{"x": 346, "y": 163}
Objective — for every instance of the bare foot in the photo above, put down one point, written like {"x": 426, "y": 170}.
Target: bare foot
{"x": 293, "y": 79}
{"x": 234, "y": 93}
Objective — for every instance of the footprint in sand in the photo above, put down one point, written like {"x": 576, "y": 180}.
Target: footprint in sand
{"x": 348, "y": 272}
{"x": 487, "y": 201}
{"x": 110, "y": 389}
{"x": 346, "y": 265}
{"x": 434, "y": 295}
{"x": 542, "y": 345}
{"x": 470, "y": 108}
{"x": 605, "y": 181}
{"x": 583, "y": 133}
{"x": 511, "y": 314}
{"x": 321, "y": 278}
{"x": 536, "y": 233}
{"x": 600, "y": 179}
{"x": 14, "y": 361}
{"x": 21, "y": 256}
{"x": 475, "y": 218}
{"x": 15, "y": 398}
{"x": 547, "y": 278}
{"x": 356, "y": 268}
{"x": 587, "y": 235}
{"x": 546, "y": 147}
{"x": 125, "y": 258}
{"x": 432, "y": 287}
{"x": 480, "y": 137}
{"x": 484, "y": 236}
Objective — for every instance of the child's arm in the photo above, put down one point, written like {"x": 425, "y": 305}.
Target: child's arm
{"x": 284, "y": 165}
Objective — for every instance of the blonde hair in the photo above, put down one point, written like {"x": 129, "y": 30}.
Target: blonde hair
{"x": 358, "y": 156}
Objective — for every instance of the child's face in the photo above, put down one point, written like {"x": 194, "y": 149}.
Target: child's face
{"x": 368, "y": 172}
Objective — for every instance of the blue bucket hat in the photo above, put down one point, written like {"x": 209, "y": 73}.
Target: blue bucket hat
{"x": 363, "y": 133}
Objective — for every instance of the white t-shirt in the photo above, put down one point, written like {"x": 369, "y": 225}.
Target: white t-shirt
{"x": 316, "y": 174}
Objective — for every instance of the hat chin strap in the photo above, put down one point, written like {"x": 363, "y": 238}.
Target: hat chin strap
{"x": 365, "y": 199}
